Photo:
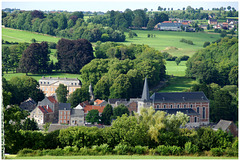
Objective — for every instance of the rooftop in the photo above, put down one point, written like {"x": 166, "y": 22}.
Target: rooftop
{"x": 64, "y": 106}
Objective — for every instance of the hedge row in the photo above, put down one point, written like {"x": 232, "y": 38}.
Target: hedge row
{"x": 122, "y": 149}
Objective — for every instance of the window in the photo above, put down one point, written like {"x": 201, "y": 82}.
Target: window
{"x": 157, "y": 106}
{"x": 171, "y": 106}
{"x": 41, "y": 82}
{"x": 44, "y": 82}
{"x": 195, "y": 119}
{"x": 178, "y": 106}
{"x": 68, "y": 117}
{"x": 197, "y": 109}
{"x": 60, "y": 117}
{"x": 47, "y": 82}
{"x": 51, "y": 89}
{"x": 75, "y": 83}
{"x": 164, "y": 106}
{"x": 185, "y": 106}
{"x": 203, "y": 113}
{"x": 64, "y": 121}
{"x": 64, "y": 117}
{"x": 72, "y": 121}
{"x": 70, "y": 90}
{"x": 73, "y": 89}
{"x": 191, "y": 105}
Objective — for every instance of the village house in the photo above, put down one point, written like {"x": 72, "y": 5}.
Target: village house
{"x": 212, "y": 21}
{"x": 227, "y": 126}
{"x": 64, "y": 113}
{"x": 194, "y": 104}
{"x": 42, "y": 114}
{"x": 49, "y": 85}
{"x": 77, "y": 116}
{"x": 28, "y": 105}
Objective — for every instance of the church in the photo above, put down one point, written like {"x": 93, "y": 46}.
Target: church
{"x": 194, "y": 104}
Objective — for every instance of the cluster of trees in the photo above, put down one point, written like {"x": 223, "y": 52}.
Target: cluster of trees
{"x": 148, "y": 129}
{"x": 169, "y": 57}
{"x": 223, "y": 100}
{"x": 217, "y": 63}
{"x": 187, "y": 41}
{"x": 68, "y": 25}
{"x": 18, "y": 89}
{"x": 129, "y": 19}
{"x": 112, "y": 78}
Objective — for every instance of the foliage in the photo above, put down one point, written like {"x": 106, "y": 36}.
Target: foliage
{"x": 119, "y": 111}
{"x": 29, "y": 124}
{"x": 93, "y": 116}
{"x": 122, "y": 149}
{"x": 190, "y": 148}
{"x": 62, "y": 93}
{"x": 216, "y": 151}
{"x": 107, "y": 114}
{"x": 74, "y": 54}
{"x": 207, "y": 43}
{"x": 46, "y": 126}
{"x": 140, "y": 149}
{"x": 178, "y": 61}
{"x": 78, "y": 96}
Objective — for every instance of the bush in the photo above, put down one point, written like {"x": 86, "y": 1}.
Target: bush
{"x": 102, "y": 149}
{"x": 25, "y": 152}
{"x": 55, "y": 152}
{"x": 216, "y": 151}
{"x": 122, "y": 149}
{"x": 184, "y": 58}
{"x": 140, "y": 149}
{"x": 231, "y": 152}
{"x": 70, "y": 149}
{"x": 151, "y": 151}
{"x": 162, "y": 150}
{"x": 175, "y": 150}
{"x": 190, "y": 148}
{"x": 207, "y": 43}
{"x": 52, "y": 45}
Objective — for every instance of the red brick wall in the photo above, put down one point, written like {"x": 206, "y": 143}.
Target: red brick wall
{"x": 64, "y": 117}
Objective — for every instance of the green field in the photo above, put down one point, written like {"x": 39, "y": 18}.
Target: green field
{"x": 39, "y": 76}
{"x": 169, "y": 41}
{"x": 13, "y": 35}
{"x": 176, "y": 70}
{"x": 119, "y": 157}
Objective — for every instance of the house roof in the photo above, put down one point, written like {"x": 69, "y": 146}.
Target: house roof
{"x": 52, "y": 99}
{"x": 174, "y": 111}
{"x": 84, "y": 103}
{"x": 47, "y": 81}
{"x": 64, "y": 106}
{"x": 114, "y": 100}
{"x": 179, "y": 97}
{"x": 172, "y": 25}
{"x": 77, "y": 113}
{"x": 223, "y": 124}
{"x": 93, "y": 107}
{"x": 45, "y": 109}
{"x": 98, "y": 101}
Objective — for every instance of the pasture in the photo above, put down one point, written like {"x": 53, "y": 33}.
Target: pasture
{"x": 120, "y": 157}
{"x": 13, "y": 35}
{"x": 169, "y": 41}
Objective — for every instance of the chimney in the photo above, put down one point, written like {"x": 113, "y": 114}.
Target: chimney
{"x": 47, "y": 107}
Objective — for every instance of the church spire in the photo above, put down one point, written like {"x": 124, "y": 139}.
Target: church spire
{"x": 145, "y": 93}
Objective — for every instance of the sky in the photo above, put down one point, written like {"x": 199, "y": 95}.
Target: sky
{"x": 107, "y": 5}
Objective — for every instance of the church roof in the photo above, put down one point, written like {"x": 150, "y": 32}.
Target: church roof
{"x": 179, "y": 97}
{"x": 223, "y": 124}
{"x": 145, "y": 93}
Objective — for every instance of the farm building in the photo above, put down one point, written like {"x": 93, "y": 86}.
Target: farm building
{"x": 171, "y": 26}
{"x": 49, "y": 85}
{"x": 227, "y": 126}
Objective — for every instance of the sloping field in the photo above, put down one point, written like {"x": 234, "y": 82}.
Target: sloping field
{"x": 13, "y": 35}
{"x": 169, "y": 41}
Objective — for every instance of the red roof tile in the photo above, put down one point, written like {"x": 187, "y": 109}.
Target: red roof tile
{"x": 167, "y": 22}
{"x": 83, "y": 104}
{"x": 98, "y": 101}
{"x": 52, "y": 99}
{"x": 45, "y": 109}
{"x": 93, "y": 107}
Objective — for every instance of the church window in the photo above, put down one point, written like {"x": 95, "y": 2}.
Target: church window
{"x": 164, "y": 106}
{"x": 195, "y": 119}
{"x": 178, "y": 106}
{"x": 184, "y": 106}
{"x": 171, "y": 106}
{"x": 203, "y": 112}
{"x": 191, "y": 105}
{"x": 197, "y": 109}
{"x": 157, "y": 106}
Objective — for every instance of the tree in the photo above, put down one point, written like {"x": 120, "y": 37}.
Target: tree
{"x": 233, "y": 75}
{"x": 46, "y": 126}
{"x": 229, "y": 8}
{"x": 101, "y": 89}
{"x": 93, "y": 116}
{"x": 6, "y": 59}
{"x": 107, "y": 114}
{"x": 223, "y": 34}
{"x": 207, "y": 43}
{"x": 29, "y": 124}
{"x": 178, "y": 61}
{"x": 74, "y": 54}
{"x": 119, "y": 111}
{"x": 62, "y": 93}
{"x": 78, "y": 96}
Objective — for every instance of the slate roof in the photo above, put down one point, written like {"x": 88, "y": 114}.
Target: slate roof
{"x": 114, "y": 100}
{"x": 176, "y": 97}
{"x": 64, "y": 106}
{"x": 145, "y": 93}
{"x": 172, "y": 25}
{"x": 77, "y": 113}
{"x": 223, "y": 124}
{"x": 174, "y": 111}
{"x": 47, "y": 81}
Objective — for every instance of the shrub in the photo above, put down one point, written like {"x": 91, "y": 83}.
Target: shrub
{"x": 162, "y": 150}
{"x": 101, "y": 149}
{"x": 190, "y": 148}
{"x": 52, "y": 45}
{"x": 151, "y": 151}
{"x": 175, "y": 150}
{"x": 25, "y": 152}
{"x": 140, "y": 149}
{"x": 122, "y": 149}
{"x": 184, "y": 58}
{"x": 206, "y": 44}
{"x": 216, "y": 151}
{"x": 55, "y": 152}
{"x": 231, "y": 152}
{"x": 70, "y": 149}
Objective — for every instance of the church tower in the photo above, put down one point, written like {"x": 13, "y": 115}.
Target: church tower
{"x": 91, "y": 93}
{"x": 145, "y": 101}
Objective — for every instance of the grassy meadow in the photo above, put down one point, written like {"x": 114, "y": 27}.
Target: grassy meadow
{"x": 169, "y": 41}
{"x": 119, "y": 157}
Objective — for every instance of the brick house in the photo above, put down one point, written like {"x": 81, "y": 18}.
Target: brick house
{"x": 49, "y": 85}
{"x": 42, "y": 114}
{"x": 227, "y": 126}
{"x": 64, "y": 113}
{"x": 194, "y": 104}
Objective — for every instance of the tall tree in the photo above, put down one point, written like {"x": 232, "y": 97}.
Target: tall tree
{"x": 93, "y": 116}
{"x": 74, "y": 54}
{"x": 119, "y": 111}
{"x": 62, "y": 93}
{"x": 78, "y": 96}
{"x": 29, "y": 124}
{"x": 107, "y": 114}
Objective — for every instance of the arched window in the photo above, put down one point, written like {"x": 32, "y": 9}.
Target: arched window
{"x": 157, "y": 106}
{"x": 203, "y": 113}
{"x": 178, "y": 106}
{"x": 164, "y": 106}
{"x": 171, "y": 106}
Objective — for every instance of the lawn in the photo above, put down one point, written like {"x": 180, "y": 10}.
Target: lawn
{"x": 169, "y": 41}
{"x": 119, "y": 157}
{"x": 178, "y": 84}
{"x": 176, "y": 70}
{"x": 13, "y": 35}
{"x": 39, "y": 76}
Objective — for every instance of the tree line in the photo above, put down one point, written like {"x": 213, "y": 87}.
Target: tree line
{"x": 67, "y": 25}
